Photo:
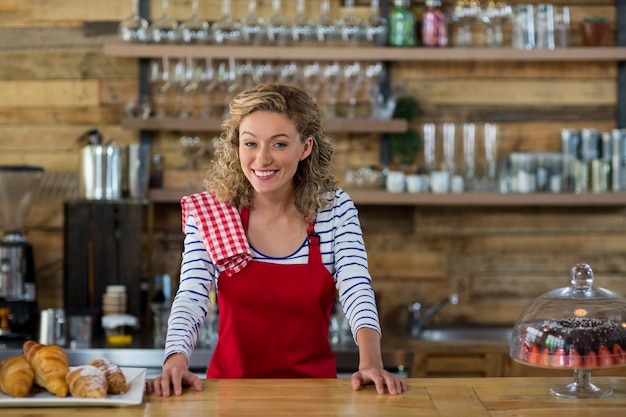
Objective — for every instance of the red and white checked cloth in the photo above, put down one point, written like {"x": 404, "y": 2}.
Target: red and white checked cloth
{"x": 221, "y": 230}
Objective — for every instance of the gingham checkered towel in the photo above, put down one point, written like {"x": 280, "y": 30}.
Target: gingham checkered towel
{"x": 221, "y": 230}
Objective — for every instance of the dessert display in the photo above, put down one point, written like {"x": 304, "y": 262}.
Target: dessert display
{"x": 580, "y": 327}
{"x": 47, "y": 367}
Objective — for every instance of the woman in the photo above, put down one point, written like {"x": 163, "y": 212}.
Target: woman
{"x": 281, "y": 241}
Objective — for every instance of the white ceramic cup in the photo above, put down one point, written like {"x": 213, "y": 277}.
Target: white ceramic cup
{"x": 416, "y": 183}
{"x": 440, "y": 182}
{"x": 395, "y": 182}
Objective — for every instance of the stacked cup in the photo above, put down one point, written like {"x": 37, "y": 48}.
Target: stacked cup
{"x": 114, "y": 300}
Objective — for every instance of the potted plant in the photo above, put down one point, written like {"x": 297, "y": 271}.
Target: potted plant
{"x": 405, "y": 145}
{"x": 594, "y": 31}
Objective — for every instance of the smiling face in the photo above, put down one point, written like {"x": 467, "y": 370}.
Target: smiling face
{"x": 270, "y": 149}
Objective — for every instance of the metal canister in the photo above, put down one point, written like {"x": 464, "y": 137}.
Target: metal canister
{"x": 618, "y": 160}
{"x": 52, "y": 327}
{"x": 570, "y": 145}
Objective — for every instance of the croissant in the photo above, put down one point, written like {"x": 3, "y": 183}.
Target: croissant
{"x": 50, "y": 364}
{"x": 16, "y": 376}
{"x": 115, "y": 376}
{"x": 87, "y": 381}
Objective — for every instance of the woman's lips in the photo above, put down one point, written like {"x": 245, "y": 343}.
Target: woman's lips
{"x": 263, "y": 174}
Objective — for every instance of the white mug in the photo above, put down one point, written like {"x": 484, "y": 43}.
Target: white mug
{"x": 395, "y": 182}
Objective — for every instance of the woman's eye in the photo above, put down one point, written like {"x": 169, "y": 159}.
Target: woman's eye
{"x": 249, "y": 144}
{"x": 280, "y": 145}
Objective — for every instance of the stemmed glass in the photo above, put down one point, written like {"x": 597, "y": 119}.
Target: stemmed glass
{"x": 227, "y": 80}
{"x": 194, "y": 29}
{"x": 179, "y": 81}
{"x": 245, "y": 75}
{"x": 278, "y": 28}
{"x": 289, "y": 73}
{"x": 326, "y": 29}
{"x": 303, "y": 28}
{"x": 352, "y": 77}
{"x": 159, "y": 80}
{"x": 208, "y": 82}
{"x": 376, "y": 28}
{"x": 164, "y": 29}
{"x": 134, "y": 28}
{"x": 227, "y": 30}
{"x": 253, "y": 26}
{"x": 374, "y": 72}
{"x": 192, "y": 148}
{"x": 351, "y": 27}
{"x": 312, "y": 78}
{"x": 264, "y": 72}
{"x": 331, "y": 75}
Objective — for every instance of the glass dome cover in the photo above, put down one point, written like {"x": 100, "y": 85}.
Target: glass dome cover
{"x": 580, "y": 327}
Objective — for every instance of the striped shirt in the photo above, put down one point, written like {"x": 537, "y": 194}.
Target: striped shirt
{"x": 343, "y": 254}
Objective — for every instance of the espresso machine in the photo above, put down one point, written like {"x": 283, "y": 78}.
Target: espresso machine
{"x": 18, "y": 295}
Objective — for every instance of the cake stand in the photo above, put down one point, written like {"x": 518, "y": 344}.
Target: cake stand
{"x": 580, "y": 327}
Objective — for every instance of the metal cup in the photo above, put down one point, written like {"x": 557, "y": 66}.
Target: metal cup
{"x": 52, "y": 328}
{"x": 138, "y": 170}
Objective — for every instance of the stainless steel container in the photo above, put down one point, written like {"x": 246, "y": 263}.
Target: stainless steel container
{"x": 52, "y": 327}
{"x": 101, "y": 172}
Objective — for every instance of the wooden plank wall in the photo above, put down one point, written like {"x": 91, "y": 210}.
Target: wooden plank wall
{"x": 55, "y": 84}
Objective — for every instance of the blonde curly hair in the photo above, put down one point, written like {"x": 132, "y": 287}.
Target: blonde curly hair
{"x": 314, "y": 176}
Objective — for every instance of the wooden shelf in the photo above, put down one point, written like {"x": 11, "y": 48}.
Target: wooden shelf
{"x": 213, "y": 125}
{"x": 381, "y": 197}
{"x": 327, "y": 53}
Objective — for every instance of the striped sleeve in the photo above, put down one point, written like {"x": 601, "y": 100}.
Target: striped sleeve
{"x": 191, "y": 303}
{"x": 351, "y": 273}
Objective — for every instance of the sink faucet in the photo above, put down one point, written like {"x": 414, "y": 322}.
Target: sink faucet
{"x": 417, "y": 320}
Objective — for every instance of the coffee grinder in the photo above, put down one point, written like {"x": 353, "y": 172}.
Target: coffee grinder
{"x": 18, "y": 295}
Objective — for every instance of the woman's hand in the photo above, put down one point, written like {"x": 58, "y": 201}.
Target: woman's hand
{"x": 175, "y": 375}
{"x": 380, "y": 378}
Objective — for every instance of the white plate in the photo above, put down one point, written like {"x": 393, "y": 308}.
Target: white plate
{"x": 136, "y": 378}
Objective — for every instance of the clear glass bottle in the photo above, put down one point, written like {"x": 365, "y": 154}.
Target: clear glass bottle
{"x": 434, "y": 30}
{"x": 401, "y": 25}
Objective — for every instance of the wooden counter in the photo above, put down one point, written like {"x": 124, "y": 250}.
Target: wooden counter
{"x": 441, "y": 397}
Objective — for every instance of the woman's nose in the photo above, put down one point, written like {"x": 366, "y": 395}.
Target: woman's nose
{"x": 264, "y": 156}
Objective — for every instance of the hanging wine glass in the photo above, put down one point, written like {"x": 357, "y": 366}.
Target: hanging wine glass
{"x": 303, "y": 28}
{"x": 326, "y": 30}
{"x": 245, "y": 75}
{"x": 352, "y": 78}
{"x": 227, "y": 30}
{"x": 159, "y": 80}
{"x": 331, "y": 75}
{"x": 192, "y": 148}
{"x": 351, "y": 27}
{"x": 376, "y": 28}
{"x": 134, "y": 28}
{"x": 179, "y": 81}
{"x": 164, "y": 29}
{"x": 278, "y": 29}
{"x": 194, "y": 30}
{"x": 253, "y": 26}
{"x": 264, "y": 72}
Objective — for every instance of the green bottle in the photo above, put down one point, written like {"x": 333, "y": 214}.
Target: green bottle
{"x": 401, "y": 24}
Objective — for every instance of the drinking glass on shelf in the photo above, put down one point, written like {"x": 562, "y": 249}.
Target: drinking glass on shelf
{"x": 374, "y": 73}
{"x": 159, "y": 80}
{"x": 253, "y": 26}
{"x": 227, "y": 80}
{"x": 179, "y": 78}
{"x": 227, "y": 30}
{"x": 290, "y": 73}
{"x": 264, "y": 72}
{"x": 352, "y": 78}
{"x": 326, "y": 30}
{"x": 194, "y": 29}
{"x": 376, "y": 27}
{"x": 493, "y": 15}
{"x": 192, "y": 148}
{"x": 562, "y": 27}
{"x": 449, "y": 136}
{"x": 303, "y": 28}
{"x": 430, "y": 156}
{"x": 469, "y": 153}
{"x": 245, "y": 75}
{"x": 164, "y": 29}
{"x": 331, "y": 76}
{"x": 490, "y": 133}
{"x": 134, "y": 28}
{"x": 351, "y": 27}
{"x": 278, "y": 29}
{"x": 208, "y": 82}
{"x": 312, "y": 78}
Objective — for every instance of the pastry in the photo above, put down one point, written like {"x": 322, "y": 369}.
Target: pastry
{"x": 575, "y": 342}
{"x": 50, "y": 364}
{"x": 115, "y": 376}
{"x": 87, "y": 381}
{"x": 16, "y": 376}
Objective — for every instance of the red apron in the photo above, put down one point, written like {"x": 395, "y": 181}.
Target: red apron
{"x": 274, "y": 319}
